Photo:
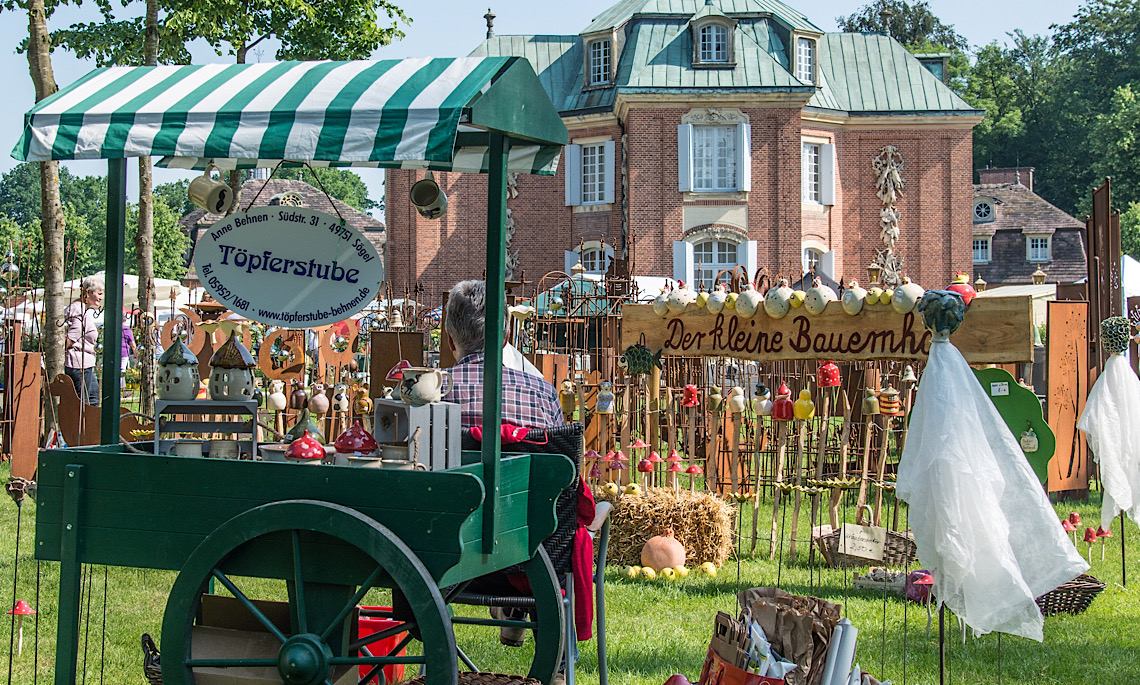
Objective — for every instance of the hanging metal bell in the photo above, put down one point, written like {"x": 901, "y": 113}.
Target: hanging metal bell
{"x": 908, "y": 375}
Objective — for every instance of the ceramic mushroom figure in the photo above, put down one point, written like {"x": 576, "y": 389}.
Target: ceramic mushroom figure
{"x": 277, "y": 400}
{"x": 231, "y": 372}
{"x": 318, "y": 400}
{"x": 178, "y": 373}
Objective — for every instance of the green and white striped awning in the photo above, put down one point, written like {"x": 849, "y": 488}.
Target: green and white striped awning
{"x": 413, "y": 114}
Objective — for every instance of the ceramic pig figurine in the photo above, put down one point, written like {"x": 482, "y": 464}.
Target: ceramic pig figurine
{"x": 318, "y": 401}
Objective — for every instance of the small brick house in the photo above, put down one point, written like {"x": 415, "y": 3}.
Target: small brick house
{"x": 1016, "y": 232}
{"x": 710, "y": 134}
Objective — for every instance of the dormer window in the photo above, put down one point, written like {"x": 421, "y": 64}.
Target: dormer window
{"x": 599, "y": 62}
{"x": 805, "y": 60}
{"x": 713, "y": 43}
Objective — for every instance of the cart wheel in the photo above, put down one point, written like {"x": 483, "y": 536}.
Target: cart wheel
{"x": 316, "y": 643}
{"x": 548, "y": 618}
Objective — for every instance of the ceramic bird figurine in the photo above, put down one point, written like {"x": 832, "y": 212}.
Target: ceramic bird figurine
{"x": 605, "y": 400}
{"x": 717, "y": 299}
{"x": 762, "y": 401}
{"x": 276, "y": 400}
{"x": 887, "y": 296}
{"x": 661, "y": 303}
{"x": 714, "y": 401}
{"x": 873, "y": 295}
{"x": 906, "y": 296}
{"x": 804, "y": 409}
{"x": 852, "y": 300}
{"x": 568, "y": 398}
{"x": 679, "y": 298}
{"x": 340, "y": 399}
{"x": 817, "y": 297}
{"x": 778, "y": 301}
{"x": 748, "y": 301}
{"x": 702, "y": 299}
{"x": 797, "y": 299}
{"x": 782, "y": 409}
{"x": 962, "y": 286}
{"x": 318, "y": 401}
{"x": 730, "y": 300}
{"x": 736, "y": 401}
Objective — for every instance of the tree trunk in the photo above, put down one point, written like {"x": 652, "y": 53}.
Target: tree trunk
{"x": 144, "y": 241}
{"x": 52, "y": 222}
{"x": 235, "y": 174}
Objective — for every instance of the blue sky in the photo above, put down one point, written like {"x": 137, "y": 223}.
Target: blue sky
{"x": 446, "y": 28}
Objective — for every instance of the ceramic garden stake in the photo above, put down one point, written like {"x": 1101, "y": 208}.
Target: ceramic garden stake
{"x": 605, "y": 401}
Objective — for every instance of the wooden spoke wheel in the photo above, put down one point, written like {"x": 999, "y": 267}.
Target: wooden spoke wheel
{"x": 335, "y": 557}
{"x": 545, "y": 619}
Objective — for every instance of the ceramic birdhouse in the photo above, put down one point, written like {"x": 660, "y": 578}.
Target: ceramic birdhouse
{"x": 318, "y": 400}
{"x": 906, "y": 296}
{"x": 870, "y": 402}
{"x": 736, "y": 401}
{"x": 804, "y": 408}
{"x": 178, "y": 373}
{"x": 717, "y": 300}
{"x": 1029, "y": 442}
{"x": 604, "y": 404}
{"x": 690, "y": 396}
{"x": 748, "y": 301}
{"x": 827, "y": 376}
{"x": 762, "y": 401}
{"x": 340, "y": 399}
{"x": 276, "y": 400}
{"x": 782, "y": 409}
{"x": 778, "y": 301}
{"x": 852, "y": 299}
{"x": 817, "y": 297}
{"x": 889, "y": 403}
{"x": 231, "y": 372}
{"x": 715, "y": 401}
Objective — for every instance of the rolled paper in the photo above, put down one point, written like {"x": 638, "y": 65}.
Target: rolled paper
{"x": 847, "y": 636}
{"x": 832, "y": 653}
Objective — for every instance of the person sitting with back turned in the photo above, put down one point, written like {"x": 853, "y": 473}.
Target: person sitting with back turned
{"x": 528, "y": 401}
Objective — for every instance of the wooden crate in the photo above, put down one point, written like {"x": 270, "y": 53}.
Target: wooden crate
{"x": 439, "y": 427}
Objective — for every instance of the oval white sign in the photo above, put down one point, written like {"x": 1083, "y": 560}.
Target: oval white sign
{"x": 288, "y": 266}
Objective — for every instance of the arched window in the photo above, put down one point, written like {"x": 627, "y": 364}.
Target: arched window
{"x": 710, "y": 257}
{"x": 714, "y": 43}
{"x": 595, "y": 260}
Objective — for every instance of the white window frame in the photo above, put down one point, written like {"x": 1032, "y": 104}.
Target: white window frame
{"x": 599, "y": 62}
{"x": 811, "y": 180}
{"x": 719, "y": 170}
{"x": 582, "y": 252}
{"x": 1030, "y": 252}
{"x": 983, "y": 247}
{"x": 724, "y": 241}
{"x": 989, "y": 215}
{"x": 713, "y": 44}
{"x": 580, "y": 180}
{"x": 805, "y": 59}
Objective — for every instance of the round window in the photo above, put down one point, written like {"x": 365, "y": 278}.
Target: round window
{"x": 983, "y": 211}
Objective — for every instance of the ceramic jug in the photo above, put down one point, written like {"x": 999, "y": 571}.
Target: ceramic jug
{"x": 424, "y": 385}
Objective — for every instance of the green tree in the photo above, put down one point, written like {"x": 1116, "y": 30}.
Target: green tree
{"x": 170, "y": 243}
{"x": 909, "y": 23}
{"x": 344, "y": 185}
{"x": 1115, "y": 145}
{"x": 175, "y": 195}
{"x": 1130, "y": 230}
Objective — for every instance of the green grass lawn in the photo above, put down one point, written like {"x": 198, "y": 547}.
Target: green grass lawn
{"x": 654, "y": 628}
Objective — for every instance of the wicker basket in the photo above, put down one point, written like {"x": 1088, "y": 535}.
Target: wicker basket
{"x": 484, "y": 679}
{"x": 152, "y": 661}
{"x": 898, "y": 552}
{"x": 1072, "y": 597}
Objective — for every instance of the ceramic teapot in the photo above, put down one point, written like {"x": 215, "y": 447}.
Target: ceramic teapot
{"x": 779, "y": 300}
{"x": 424, "y": 385}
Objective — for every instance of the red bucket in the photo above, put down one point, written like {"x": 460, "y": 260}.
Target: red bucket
{"x": 367, "y": 625}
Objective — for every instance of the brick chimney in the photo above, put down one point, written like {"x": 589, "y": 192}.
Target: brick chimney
{"x": 1013, "y": 174}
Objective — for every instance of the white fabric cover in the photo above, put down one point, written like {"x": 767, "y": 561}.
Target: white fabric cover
{"x": 982, "y": 523}
{"x": 1111, "y": 422}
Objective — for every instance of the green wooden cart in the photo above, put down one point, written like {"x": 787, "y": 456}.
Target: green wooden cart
{"x": 331, "y": 533}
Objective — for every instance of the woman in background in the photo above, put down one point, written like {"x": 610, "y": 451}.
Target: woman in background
{"x": 79, "y": 361}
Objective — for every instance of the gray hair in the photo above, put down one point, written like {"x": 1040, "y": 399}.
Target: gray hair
{"x": 90, "y": 283}
{"x": 467, "y": 316}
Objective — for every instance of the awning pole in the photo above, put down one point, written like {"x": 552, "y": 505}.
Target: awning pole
{"x": 496, "y": 307}
{"x": 113, "y": 300}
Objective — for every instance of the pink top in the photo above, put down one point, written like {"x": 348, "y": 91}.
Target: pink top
{"x": 81, "y": 336}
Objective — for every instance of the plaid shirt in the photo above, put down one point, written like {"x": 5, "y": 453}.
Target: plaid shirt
{"x": 528, "y": 400}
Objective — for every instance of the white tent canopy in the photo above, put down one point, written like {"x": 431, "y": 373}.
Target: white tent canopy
{"x": 162, "y": 289}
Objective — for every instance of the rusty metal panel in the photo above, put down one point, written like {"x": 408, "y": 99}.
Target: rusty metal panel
{"x": 1103, "y": 230}
{"x": 1069, "y": 381}
{"x": 388, "y": 348}
{"x": 23, "y": 404}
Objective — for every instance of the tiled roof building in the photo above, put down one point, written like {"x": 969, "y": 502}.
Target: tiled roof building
{"x": 706, "y": 135}
{"x": 1016, "y": 232}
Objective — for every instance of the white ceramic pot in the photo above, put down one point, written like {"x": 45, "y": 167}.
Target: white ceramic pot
{"x": 224, "y": 449}
{"x": 178, "y": 382}
{"x": 231, "y": 385}
{"x": 424, "y": 385}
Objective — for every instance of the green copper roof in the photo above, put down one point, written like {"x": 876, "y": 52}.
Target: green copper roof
{"x": 621, "y": 12}
{"x": 873, "y": 73}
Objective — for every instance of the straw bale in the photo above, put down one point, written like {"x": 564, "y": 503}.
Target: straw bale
{"x": 700, "y": 521}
